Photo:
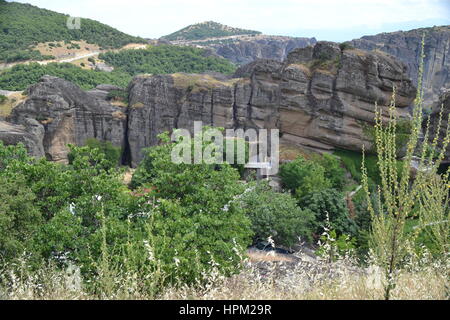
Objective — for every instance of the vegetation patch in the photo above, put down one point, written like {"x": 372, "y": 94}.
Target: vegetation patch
{"x": 23, "y": 26}
{"x": 205, "y": 30}
{"x": 21, "y": 76}
{"x": 166, "y": 59}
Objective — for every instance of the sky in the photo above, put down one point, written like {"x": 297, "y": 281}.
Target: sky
{"x": 333, "y": 20}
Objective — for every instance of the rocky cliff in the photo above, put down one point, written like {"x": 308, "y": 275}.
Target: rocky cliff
{"x": 243, "y": 50}
{"x": 320, "y": 97}
{"x": 406, "y": 46}
{"x": 64, "y": 114}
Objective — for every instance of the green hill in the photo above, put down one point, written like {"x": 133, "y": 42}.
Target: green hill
{"x": 208, "y": 29}
{"x": 22, "y": 26}
{"x": 21, "y": 76}
{"x": 166, "y": 59}
{"x": 127, "y": 63}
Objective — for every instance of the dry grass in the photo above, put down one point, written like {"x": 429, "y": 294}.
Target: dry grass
{"x": 303, "y": 280}
{"x": 291, "y": 152}
{"x": 331, "y": 284}
{"x": 198, "y": 82}
{"x": 63, "y": 51}
{"x": 257, "y": 256}
{"x": 13, "y": 99}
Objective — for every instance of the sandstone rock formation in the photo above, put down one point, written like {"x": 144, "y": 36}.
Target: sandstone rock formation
{"x": 66, "y": 114}
{"x": 406, "y": 46}
{"x": 243, "y": 49}
{"x": 29, "y": 135}
{"x": 249, "y": 49}
{"x": 320, "y": 97}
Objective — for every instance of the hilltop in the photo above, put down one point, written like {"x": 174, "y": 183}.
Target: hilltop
{"x": 208, "y": 29}
{"x": 24, "y": 28}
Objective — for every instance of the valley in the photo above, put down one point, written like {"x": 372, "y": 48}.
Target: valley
{"x": 94, "y": 206}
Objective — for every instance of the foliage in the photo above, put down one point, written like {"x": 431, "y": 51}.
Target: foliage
{"x": 166, "y": 59}
{"x": 345, "y": 46}
{"x": 118, "y": 95}
{"x": 21, "y": 76}
{"x": 206, "y": 221}
{"x": 276, "y": 214}
{"x": 19, "y": 219}
{"x": 402, "y": 132}
{"x": 303, "y": 177}
{"x": 334, "y": 170}
{"x": 332, "y": 247}
{"x": 23, "y": 26}
{"x": 111, "y": 153}
{"x": 206, "y": 30}
{"x": 400, "y": 198}
{"x": 330, "y": 204}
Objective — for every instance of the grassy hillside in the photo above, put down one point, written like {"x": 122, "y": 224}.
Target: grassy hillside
{"x": 127, "y": 63}
{"x": 21, "y": 76}
{"x": 22, "y": 26}
{"x": 206, "y": 30}
{"x": 166, "y": 59}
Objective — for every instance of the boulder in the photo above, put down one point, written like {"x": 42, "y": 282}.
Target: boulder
{"x": 66, "y": 114}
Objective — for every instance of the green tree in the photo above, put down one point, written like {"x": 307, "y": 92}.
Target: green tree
{"x": 331, "y": 203}
{"x": 198, "y": 218}
{"x": 276, "y": 214}
{"x": 19, "y": 218}
{"x": 303, "y": 177}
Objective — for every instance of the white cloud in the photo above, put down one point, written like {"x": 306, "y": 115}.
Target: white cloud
{"x": 155, "y": 18}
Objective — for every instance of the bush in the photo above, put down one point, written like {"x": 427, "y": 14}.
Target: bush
{"x": 166, "y": 59}
{"x": 330, "y": 202}
{"x": 20, "y": 76}
{"x": 199, "y": 218}
{"x": 303, "y": 177}
{"x": 277, "y": 215}
{"x": 334, "y": 172}
{"x": 19, "y": 218}
{"x": 111, "y": 153}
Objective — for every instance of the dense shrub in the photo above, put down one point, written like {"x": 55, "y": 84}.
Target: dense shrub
{"x": 277, "y": 215}
{"x": 334, "y": 171}
{"x": 19, "y": 218}
{"x": 303, "y": 177}
{"x": 166, "y": 59}
{"x": 185, "y": 224}
{"x": 111, "y": 153}
{"x": 21, "y": 76}
{"x": 206, "y": 223}
{"x": 330, "y": 202}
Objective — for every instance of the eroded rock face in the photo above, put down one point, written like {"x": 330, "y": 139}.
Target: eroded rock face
{"x": 260, "y": 47}
{"x": 406, "y": 46}
{"x": 243, "y": 49}
{"x": 66, "y": 114}
{"x": 319, "y": 98}
{"x": 30, "y": 135}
